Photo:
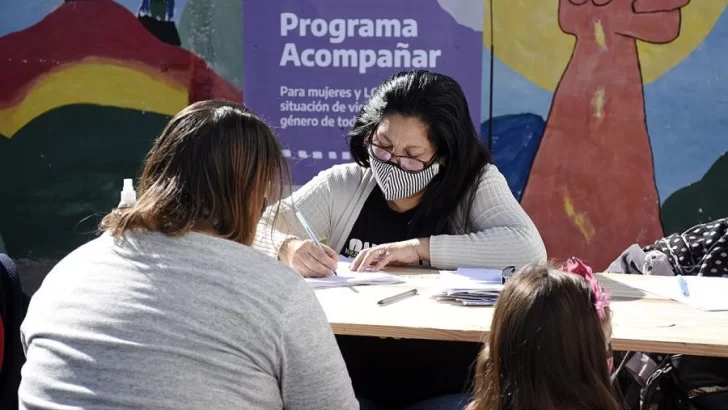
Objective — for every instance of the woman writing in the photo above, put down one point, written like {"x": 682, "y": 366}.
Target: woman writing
{"x": 170, "y": 308}
{"x": 423, "y": 189}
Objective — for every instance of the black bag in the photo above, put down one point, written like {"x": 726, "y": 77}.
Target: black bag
{"x": 687, "y": 383}
{"x": 13, "y": 306}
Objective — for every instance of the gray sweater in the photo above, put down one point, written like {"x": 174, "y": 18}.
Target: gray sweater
{"x": 192, "y": 322}
{"x": 502, "y": 234}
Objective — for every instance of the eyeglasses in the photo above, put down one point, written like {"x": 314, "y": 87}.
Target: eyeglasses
{"x": 406, "y": 163}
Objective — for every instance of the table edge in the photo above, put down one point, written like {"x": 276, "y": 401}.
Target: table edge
{"x": 478, "y": 336}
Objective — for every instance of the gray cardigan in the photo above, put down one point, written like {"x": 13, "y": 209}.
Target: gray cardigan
{"x": 502, "y": 234}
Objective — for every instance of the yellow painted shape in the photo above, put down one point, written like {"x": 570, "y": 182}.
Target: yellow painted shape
{"x": 528, "y": 39}
{"x": 99, "y": 83}
{"x": 580, "y": 220}
{"x": 599, "y": 34}
{"x": 598, "y": 103}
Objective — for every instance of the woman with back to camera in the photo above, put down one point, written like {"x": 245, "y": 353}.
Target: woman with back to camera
{"x": 423, "y": 190}
{"x": 170, "y": 308}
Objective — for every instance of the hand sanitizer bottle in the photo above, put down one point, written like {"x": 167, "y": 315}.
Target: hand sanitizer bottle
{"x": 128, "y": 195}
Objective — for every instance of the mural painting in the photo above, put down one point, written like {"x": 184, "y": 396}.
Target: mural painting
{"x": 609, "y": 118}
{"x": 598, "y": 119}
{"x": 84, "y": 90}
{"x": 591, "y": 187}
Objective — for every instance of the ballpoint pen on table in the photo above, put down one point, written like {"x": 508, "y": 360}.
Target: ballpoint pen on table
{"x": 683, "y": 285}
{"x": 397, "y": 298}
{"x": 309, "y": 231}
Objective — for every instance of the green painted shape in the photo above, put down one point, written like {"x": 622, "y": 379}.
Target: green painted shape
{"x": 701, "y": 202}
{"x": 214, "y": 31}
{"x": 63, "y": 171}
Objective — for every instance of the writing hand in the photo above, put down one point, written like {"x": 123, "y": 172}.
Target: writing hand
{"x": 308, "y": 260}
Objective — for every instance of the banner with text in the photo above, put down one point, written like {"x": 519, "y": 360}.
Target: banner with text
{"x": 310, "y": 65}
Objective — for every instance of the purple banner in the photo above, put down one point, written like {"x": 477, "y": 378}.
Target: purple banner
{"x": 310, "y": 65}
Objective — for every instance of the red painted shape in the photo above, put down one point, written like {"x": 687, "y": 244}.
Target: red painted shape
{"x": 649, "y": 6}
{"x": 600, "y": 158}
{"x": 102, "y": 29}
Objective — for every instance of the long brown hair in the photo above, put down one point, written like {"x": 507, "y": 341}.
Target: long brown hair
{"x": 547, "y": 347}
{"x": 212, "y": 169}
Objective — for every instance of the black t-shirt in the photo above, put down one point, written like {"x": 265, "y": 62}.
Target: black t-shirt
{"x": 377, "y": 224}
{"x": 397, "y": 372}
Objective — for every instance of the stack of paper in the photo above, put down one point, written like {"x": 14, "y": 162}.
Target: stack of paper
{"x": 346, "y": 277}
{"x": 471, "y": 287}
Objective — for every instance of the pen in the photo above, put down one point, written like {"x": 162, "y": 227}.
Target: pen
{"x": 397, "y": 298}
{"x": 309, "y": 231}
{"x": 683, "y": 285}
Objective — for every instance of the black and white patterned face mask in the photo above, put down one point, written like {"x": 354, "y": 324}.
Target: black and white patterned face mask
{"x": 397, "y": 183}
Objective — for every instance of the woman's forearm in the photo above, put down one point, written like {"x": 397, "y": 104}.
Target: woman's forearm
{"x": 422, "y": 247}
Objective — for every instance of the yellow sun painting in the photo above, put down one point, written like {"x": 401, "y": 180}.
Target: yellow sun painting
{"x": 529, "y": 40}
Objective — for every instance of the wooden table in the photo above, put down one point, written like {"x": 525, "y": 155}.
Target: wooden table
{"x": 642, "y": 322}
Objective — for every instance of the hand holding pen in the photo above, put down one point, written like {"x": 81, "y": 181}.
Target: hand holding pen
{"x": 309, "y": 257}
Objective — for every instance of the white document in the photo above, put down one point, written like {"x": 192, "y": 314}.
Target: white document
{"x": 473, "y": 275}
{"x": 704, "y": 293}
{"x": 346, "y": 277}
{"x": 470, "y": 287}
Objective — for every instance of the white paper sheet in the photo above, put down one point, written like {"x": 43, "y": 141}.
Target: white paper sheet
{"x": 471, "y": 287}
{"x": 346, "y": 277}
{"x": 705, "y": 293}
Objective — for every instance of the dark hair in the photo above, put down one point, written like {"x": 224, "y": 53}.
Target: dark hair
{"x": 546, "y": 348}
{"x": 438, "y": 101}
{"x": 212, "y": 169}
